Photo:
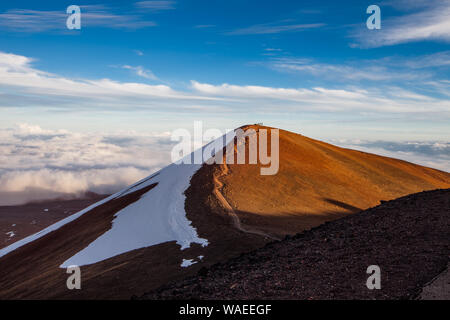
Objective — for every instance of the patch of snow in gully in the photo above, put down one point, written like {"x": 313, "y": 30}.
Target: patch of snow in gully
{"x": 187, "y": 262}
{"x": 157, "y": 217}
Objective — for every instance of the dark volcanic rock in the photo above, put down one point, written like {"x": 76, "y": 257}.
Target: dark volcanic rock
{"x": 408, "y": 238}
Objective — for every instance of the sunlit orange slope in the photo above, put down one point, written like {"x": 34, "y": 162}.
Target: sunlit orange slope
{"x": 318, "y": 181}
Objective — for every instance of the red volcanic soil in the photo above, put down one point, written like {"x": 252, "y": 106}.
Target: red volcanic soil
{"x": 318, "y": 182}
{"x": 235, "y": 208}
{"x": 27, "y": 219}
{"x": 407, "y": 238}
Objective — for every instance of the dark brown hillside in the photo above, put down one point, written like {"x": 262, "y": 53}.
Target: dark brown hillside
{"x": 407, "y": 238}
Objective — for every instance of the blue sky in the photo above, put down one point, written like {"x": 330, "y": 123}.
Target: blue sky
{"x": 193, "y": 47}
{"x": 145, "y": 68}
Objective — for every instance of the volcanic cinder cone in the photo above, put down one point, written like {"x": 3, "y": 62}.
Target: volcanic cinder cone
{"x": 184, "y": 217}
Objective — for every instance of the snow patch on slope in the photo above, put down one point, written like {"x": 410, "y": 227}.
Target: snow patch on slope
{"x": 187, "y": 262}
{"x": 157, "y": 217}
{"x": 10, "y": 234}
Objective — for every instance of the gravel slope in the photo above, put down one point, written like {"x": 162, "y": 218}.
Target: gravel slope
{"x": 407, "y": 237}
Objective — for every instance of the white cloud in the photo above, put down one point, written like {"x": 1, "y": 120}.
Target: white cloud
{"x": 391, "y": 99}
{"x": 142, "y": 72}
{"x": 390, "y": 68}
{"x": 273, "y": 28}
{"x": 24, "y": 86}
{"x": 36, "y": 163}
{"x": 366, "y": 70}
{"x": 438, "y": 59}
{"x": 16, "y": 72}
{"x": 204, "y": 26}
{"x": 156, "y": 5}
{"x": 25, "y": 20}
{"x": 429, "y": 21}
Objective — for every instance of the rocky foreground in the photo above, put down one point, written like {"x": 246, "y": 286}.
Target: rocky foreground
{"x": 408, "y": 238}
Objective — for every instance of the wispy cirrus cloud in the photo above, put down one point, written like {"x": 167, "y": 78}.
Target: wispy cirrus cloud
{"x": 156, "y": 5}
{"x": 17, "y": 72}
{"x": 204, "y": 26}
{"x": 343, "y": 72}
{"x": 34, "y": 21}
{"x": 351, "y": 99}
{"x": 438, "y": 59}
{"x": 23, "y": 87}
{"x": 421, "y": 21}
{"x": 141, "y": 72}
{"x": 273, "y": 28}
{"x": 413, "y": 71}
{"x": 40, "y": 89}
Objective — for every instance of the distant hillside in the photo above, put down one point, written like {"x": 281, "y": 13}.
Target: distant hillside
{"x": 20, "y": 221}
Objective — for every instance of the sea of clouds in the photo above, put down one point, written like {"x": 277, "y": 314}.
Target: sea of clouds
{"x": 41, "y": 164}
{"x": 433, "y": 154}
{"x": 37, "y": 164}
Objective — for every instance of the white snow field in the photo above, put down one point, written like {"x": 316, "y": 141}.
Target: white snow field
{"x": 157, "y": 217}
{"x": 10, "y": 234}
{"x": 187, "y": 263}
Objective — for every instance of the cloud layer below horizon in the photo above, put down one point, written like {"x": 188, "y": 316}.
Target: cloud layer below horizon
{"x": 39, "y": 164}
